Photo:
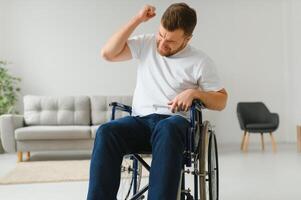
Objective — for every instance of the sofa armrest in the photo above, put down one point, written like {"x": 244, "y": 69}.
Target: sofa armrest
{"x": 8, "y": 124}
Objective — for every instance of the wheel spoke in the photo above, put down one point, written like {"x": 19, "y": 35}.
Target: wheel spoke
{"x": 125, "y": 190}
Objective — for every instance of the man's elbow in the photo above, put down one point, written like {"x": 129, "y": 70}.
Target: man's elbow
{"x": 223, "y": 104}
{"x": 105, "y": 55}
{"x": 221, "y": 107}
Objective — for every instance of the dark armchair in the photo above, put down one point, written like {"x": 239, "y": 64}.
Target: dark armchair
{"x": 254, "y": 117}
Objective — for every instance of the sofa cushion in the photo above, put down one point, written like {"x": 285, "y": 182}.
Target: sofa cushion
{"x": 67, "y": 110}
{"x": 100, "y": 110}
{"x": 53, "y": 132}
{"x": 93, "y": 131}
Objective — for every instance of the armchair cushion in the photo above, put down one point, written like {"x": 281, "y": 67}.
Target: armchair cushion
{"x": 264, "y": 127}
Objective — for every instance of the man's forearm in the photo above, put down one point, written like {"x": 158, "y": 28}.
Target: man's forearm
{"x": 212, "y": 100}
{"x": 117, "y": 42}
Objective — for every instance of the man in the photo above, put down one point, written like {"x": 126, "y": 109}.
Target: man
{"x": 171, "y": 73}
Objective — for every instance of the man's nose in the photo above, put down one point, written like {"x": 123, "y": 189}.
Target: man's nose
{"x": 163, "y": 42}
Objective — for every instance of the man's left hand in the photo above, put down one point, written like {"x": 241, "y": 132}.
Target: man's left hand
{"x": 182, "y": 101}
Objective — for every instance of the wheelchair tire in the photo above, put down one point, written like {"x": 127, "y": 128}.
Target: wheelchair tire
{"x": 207, "y": 163}
{"x": 213, "y": 172}
{"x": 126, "y": 185}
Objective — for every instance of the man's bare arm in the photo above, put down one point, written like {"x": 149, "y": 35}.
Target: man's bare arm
{"x": 116, "y": 48}
{"x": 211, "y": 100}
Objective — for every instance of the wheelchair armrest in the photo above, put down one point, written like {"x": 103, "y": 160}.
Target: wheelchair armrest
{"x": 196, "y": 111}
{"x": 119, "y": 106}
{"x": 198, "y": 105}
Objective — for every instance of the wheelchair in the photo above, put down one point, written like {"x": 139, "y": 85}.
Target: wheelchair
{"x": 200, "y": 161}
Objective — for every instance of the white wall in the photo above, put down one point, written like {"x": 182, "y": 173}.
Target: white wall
{"x": 54, "y": 46}
{"x": 1, "y": 28}
{"x": 294, "y": 100}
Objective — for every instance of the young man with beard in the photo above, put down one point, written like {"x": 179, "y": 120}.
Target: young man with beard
{"x": 170, "y": 73}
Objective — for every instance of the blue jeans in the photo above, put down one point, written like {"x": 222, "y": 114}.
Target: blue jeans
{"x": 163, "y": 135}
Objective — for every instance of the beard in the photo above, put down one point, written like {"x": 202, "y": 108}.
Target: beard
{"x": 168, "y": 51}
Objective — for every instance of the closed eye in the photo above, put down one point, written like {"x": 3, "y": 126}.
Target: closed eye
{"x": 169, "y": 41}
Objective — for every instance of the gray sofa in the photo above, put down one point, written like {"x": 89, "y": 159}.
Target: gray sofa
{"x": 57, "y": 123}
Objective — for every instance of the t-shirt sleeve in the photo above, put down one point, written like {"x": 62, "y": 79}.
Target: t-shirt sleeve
{"x": 135, "y": 44}
{"x": 208, "y": 79}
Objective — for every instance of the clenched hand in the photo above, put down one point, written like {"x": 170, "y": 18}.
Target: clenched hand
{"x": 182, "y": 101}
{"x": 146, "y": 13}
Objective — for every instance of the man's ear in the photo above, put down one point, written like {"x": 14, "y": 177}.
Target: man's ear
{"x": 187, "y": 39}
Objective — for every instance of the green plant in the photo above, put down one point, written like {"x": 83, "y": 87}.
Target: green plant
{"x": 9, "y": 89}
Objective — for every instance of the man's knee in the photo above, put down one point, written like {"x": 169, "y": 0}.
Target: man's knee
{"x": 173, "y": 128}
{"x": 105, "y": 131}
{"x": 174, "y": 124}
{"x": 111, "y": 128}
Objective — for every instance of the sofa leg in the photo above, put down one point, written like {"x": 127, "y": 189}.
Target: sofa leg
{"x": 20, "y": 155}
{"x": 27, "y": 156}
{"x": 262, "y": 142}
{"x": 273, "y": 142}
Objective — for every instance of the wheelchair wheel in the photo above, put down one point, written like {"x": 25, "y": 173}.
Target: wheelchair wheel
{"x": 208, "y": 163}
{"x": 126, "y": 185}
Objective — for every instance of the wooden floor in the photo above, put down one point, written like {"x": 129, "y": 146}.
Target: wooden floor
{"x": 255, "y": 175}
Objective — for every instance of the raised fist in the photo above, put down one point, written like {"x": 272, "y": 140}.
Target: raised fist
{"x": 146, "y": 13}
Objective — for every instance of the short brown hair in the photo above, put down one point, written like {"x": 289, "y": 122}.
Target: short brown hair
{"x": 179, "y": 16}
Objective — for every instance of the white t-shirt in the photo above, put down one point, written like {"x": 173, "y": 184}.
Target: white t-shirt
{"x": 160, "y": 79}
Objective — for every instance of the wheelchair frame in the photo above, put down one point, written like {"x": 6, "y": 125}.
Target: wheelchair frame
{"x": 200, "y": 150}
